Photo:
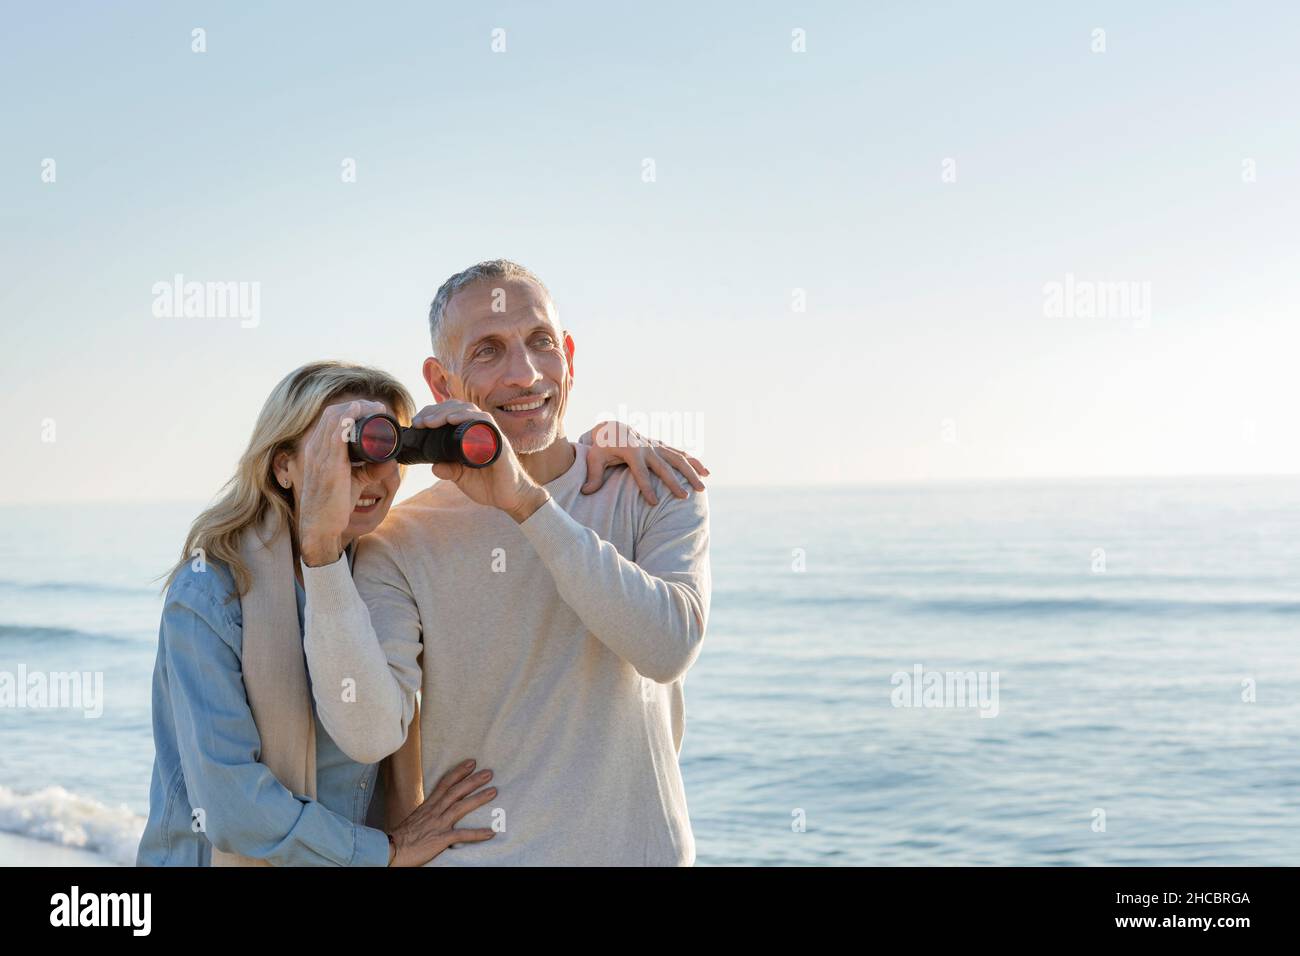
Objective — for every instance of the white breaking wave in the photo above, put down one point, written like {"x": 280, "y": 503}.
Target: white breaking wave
{"x": 57, "y": 816}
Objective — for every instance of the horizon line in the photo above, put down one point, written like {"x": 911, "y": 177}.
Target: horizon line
{"x": 786, "y": 485}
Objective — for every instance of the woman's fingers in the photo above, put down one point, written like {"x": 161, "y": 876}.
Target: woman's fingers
{"x": 356, "y": 410}
{"x": 694, "y": 462}
{"x": 339, "y": 419}
{"x": 661, "y": 468}
{"x": 683, "y": 464}
{"x": 642, "y": 478}
{"x": 451, "y": 778}
{"x": 430, "y": 829}
{"x": 324, "y": 458}
{"x": 336, "y": 424}
{"x": 316, "y": 438}
{"x": 467, "y": 805}
{"x": 470, "y": 836}
{"x": 599, "y": 459}
{"x": 463, "y": 788}
{"x": 597, "y": 464}
{"x": 642, "y": 456}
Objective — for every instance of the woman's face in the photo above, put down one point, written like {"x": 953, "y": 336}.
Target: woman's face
{"x": 378, "y": 483}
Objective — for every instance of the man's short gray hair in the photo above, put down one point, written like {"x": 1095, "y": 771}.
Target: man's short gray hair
{"x": 491, "y": 269}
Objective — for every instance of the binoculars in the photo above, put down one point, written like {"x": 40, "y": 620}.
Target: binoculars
{"x": 379, "y": 438}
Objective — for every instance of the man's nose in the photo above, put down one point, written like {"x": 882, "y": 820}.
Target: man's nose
{"x": 520, "y": 371}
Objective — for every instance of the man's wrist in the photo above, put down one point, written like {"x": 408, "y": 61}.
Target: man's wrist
{"x": 532, "y": 499}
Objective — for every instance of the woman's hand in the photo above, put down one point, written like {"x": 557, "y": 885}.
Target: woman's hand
{"x": 613, "y": 443}
{"x": 330, "y": 483}
{"x": 430, "y": 828}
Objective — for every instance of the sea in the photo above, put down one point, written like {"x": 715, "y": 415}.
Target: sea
{"x": 1068, "y": 673}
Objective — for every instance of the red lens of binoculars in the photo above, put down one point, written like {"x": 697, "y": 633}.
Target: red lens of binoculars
{"x": 378, "y": 438}
{"x": 478, "y": 444}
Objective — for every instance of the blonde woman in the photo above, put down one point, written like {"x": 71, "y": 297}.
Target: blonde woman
{"x": 244, "y": 772}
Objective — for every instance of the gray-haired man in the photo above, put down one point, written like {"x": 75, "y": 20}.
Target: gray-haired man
{"x": 556, "y": 627}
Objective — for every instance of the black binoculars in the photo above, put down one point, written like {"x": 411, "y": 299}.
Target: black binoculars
{"x": 379, "y": 438}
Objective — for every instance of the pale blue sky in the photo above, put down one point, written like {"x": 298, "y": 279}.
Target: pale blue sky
{"x": 775, "y": 170}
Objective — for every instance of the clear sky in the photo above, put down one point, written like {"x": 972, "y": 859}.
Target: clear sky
{"x": 927, "y": 347}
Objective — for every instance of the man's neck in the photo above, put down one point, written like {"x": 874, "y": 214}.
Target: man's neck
{"x": 552, "y": 461}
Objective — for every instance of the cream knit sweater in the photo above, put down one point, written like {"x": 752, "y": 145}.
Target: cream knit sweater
{"x": 554, "y": 654}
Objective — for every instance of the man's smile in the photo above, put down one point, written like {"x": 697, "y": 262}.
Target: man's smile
{"x": 530, "y": 406}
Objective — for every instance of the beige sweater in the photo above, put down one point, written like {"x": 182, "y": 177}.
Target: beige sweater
{"x": 554, "y": 653}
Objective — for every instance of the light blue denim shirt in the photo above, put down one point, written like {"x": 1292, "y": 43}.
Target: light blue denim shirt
{"x": 206, "y": 748}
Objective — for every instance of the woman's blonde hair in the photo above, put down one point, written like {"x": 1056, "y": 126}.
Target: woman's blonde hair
{"x": 290, "y": 409}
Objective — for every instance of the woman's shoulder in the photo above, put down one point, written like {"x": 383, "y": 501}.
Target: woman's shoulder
{"x": 207, "y": 587}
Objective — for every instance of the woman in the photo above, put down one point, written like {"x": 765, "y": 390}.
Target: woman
{"x": 244, "y": 772}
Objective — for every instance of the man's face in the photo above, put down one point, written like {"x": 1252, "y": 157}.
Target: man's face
{"x": 507, "y": 354}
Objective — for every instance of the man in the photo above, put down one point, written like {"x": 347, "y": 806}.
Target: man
{"x": 556, "y": 627}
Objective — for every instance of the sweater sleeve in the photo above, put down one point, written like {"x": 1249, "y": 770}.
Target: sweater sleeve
{"x": 652, "y": 611}
{"x": 362, "y": 642}
{"x": 245, "y": 808}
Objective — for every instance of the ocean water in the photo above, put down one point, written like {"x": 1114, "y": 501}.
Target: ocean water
{"x": 1143, "y": 637}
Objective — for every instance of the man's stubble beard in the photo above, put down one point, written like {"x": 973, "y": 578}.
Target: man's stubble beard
{"x": 534, "y": 441}
{"x": 527, "y": 444}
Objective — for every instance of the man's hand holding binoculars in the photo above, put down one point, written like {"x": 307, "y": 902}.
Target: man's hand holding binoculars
{"x": 503, "y": 484}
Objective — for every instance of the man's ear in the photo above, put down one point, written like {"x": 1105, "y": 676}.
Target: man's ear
{"x": 436, "y": 376}
{"x": 568, "y": 355}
